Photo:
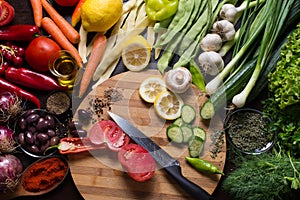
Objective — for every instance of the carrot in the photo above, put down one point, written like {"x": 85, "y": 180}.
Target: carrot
{"x": 68, "y": 30}
{"x": 37, "y": 10}
{"x": 98, "y": 49}
{"x": 76, "y": 13}
{"x": 50, "y": 27}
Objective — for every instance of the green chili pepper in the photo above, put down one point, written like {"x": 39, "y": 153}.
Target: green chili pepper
{"x": 197, "y": 76}
{"x": 203, "y": 165}
{"x": 161, "y": 9}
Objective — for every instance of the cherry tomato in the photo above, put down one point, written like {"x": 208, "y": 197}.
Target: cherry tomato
{"x": 109, "y": 132}
{"x": 66, "y": 2}
{"x": 39, "y": 52}
{"x": 7, "y": 13}
{"x": 137, "y": 162}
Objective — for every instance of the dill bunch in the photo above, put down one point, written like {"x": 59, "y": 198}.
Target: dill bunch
{"x": 266, "y": 176}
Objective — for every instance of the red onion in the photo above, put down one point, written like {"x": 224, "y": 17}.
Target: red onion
{"x": 7, "y": 142}
{"x": 11, "y": 169}
{"x": 10, "y": 106}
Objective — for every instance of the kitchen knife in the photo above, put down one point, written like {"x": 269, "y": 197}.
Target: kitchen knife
{"x": 169, "y": 164}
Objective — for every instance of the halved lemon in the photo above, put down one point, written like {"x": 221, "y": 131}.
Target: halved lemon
{"x": 136, "y": 53}
{"x": 151, "y": 87}
{"x": 168, "y": 105}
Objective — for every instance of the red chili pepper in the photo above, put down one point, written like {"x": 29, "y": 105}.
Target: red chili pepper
{"x": 19, "y": 32}
{"x": 31, "y": 79}
{"x": 7, "y": 86}
{"x": 77, "y": 145}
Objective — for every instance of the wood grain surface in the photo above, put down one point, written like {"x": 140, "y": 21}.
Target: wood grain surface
{"x": 98, "y": 174}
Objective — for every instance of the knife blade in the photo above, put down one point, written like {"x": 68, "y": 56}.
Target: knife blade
{"x": 165, "y": 160}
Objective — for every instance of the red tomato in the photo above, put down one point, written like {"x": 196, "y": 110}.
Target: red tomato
{"x": 137, "y": 162}
{"x": 109, "y": 132}
{"x": 39, "y": 52}
{"x": 7, "y": 13}
{"x": 96, "y": 134}
{"x": 66, "y": 2}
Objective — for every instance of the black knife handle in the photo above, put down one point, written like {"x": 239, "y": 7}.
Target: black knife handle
{"x": 191, "y": 188}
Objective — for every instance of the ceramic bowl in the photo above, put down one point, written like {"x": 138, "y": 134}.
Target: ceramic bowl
{"x": 247, "y": 130}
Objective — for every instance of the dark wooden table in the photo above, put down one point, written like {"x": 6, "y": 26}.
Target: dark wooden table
{"x": 68, "y": 190}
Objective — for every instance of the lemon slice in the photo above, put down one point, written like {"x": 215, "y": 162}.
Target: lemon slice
{"x": 136, "y": 53}
{"x": 151, "y": 87}
{"x": 168, "y": 105}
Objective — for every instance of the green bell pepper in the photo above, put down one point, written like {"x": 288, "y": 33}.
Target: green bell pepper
{"x": 161, "y": 9}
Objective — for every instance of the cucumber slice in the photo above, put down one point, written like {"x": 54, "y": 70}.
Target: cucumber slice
{"x": 188, "y": 113}
{"x": 187, "y": 132}
{"x": 200, "y": 132}
{"x": 178, "y": 121}
{"x": 196, "y": 146}
{"x": 208, "y": 110}
{"x": 174, "y": 133}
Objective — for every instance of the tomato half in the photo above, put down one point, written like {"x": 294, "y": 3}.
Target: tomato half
{"x": 137, "y": 162}
{"x": 7, "y": 13}
{"x": 39, "y": 52}
{"x": 109, "y": 132}
{"x": 66, "y": 2}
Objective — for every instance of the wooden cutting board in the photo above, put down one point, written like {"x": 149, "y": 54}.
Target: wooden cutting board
{"x": 98, "y": 174}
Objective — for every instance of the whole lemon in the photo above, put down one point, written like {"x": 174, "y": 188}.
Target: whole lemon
{"x": 100, "y": 15}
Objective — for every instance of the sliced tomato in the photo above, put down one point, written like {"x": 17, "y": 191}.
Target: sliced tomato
{"x": 96, "y": 134}
{"x": 108, "y": 131}
{"x": 7, "y": 13}
{"x": 137, "y": 162}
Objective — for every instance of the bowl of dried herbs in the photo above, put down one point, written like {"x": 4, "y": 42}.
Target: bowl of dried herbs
{"x": 248, "y": 131}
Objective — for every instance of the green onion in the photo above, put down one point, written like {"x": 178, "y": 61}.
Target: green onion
{"x": 240, "y": 74}
{"x": 277, "y": 12}
{"x": 257, "y": 25}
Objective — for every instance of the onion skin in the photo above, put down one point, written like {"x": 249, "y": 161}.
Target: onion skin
{"x": 7, "y": 142}
{"x": 10, "y": 107}
{"x": 11, "y": 169}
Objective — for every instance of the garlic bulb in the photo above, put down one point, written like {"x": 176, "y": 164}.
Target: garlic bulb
{"x": 211, "y": 42}
{"x": 211, "y": 62}
{"x": 232, "y": 13}
{"x": 178, "y": 80}
{"x": 229, "y": 12}
{"x": 225, "y": 29}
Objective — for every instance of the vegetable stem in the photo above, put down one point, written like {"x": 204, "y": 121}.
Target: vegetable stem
{"x": 277, "y": 13}
{"x": 213, "y": 85}
{"x": 246, "y": 4}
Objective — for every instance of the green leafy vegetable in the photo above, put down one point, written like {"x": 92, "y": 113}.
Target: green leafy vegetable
{"x": 265, "y": 176}
{"x": 283, "y": 104}
{"x": 284, "y": 82}
{"x": 286, "y": 127}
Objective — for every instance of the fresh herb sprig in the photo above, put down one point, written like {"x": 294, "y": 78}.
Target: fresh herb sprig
{"x": 286, "y": 127}
{"x": 265, "y": 176}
